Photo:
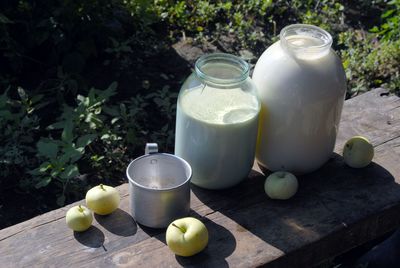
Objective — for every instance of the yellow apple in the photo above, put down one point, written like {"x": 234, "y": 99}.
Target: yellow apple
{"x": 79, "y": 218}
{"x": 102, "y": 199}
{"x": 358, "y": 152}
{"x": 281, "y": 185}
{"x": 187, "y": 236}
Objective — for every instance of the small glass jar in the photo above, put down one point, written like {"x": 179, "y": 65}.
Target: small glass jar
{"x": 301, "y": 84}
{"x": 217, "y": 121}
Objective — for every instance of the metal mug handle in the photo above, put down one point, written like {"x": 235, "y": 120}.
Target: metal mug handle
{"x": 151, "y": 148}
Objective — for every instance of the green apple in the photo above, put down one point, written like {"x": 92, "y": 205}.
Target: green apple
{"x": 102, "y": 199}
{"x": 281, "y": 185}
{"x": 187, "y": 236}
{"x": 358, "y": 152}
{"x": 79, "y": 218}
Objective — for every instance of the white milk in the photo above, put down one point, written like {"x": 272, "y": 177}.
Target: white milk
{"x": 216, "y": 131}
{"x": 302, "y": 91}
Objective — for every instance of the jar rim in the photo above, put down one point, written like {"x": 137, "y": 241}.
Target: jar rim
{"x": 307, "y": 30}
{"x": 229, "y": 59}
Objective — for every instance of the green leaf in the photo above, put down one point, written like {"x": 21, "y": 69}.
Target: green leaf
{"x": 7, "y": 115}
{"x": 81, "y": 98}
{"x": 67, "y": 134}
{"x": 346, "y": 63}
{"x": 44, "y": 167}
{"x": 374, "y": 29}
{"x": 122, "y": 107}
{"x": 85, "y": 140}
{"x": 34, "y": 172}
{"x": 22, "y": 94}
{"x": 54, "y": 173}
{"x": 47, "y": 148}
{"x": 96, "y": 158}
{"x": 105, "y": 137}
{"x": 113, "y": 111}
{"x": 114, "y": 120}
{"x": 69, "y": 172}
{"x": 57, "y": 125}
{"x": 41, "y": 104}
{"x": 93, "y": 120}
{"x": 43, "y": 182}
{"x": 37, "y": 98}
{"x": 91, "y": 98}
{"x": 4, "y": 19}
{"x": 4, "y": 99}
{"x": 103, "y": 95}
{"x": 71, "y": 154}
{"x": 112, "y": 88}
{"x": 131, "y": 136}
{"x": 387, "y": 13}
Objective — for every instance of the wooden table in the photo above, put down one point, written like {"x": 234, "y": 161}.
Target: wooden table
{"x": 336, "y": 208}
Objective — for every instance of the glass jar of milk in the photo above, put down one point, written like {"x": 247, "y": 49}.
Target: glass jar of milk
{"x": 217, "y": 121}
{"x": 301, "y": 84}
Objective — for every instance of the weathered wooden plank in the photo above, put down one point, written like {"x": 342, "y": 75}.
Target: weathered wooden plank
{"x": 336, "y": 208}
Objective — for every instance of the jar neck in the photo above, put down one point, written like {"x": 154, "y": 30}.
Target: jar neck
{"x": 222, "y": 70}
{"x": 305, "y": 41}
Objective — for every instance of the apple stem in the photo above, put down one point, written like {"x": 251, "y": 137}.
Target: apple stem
{"x": 281, "y": 175}
{"x": 80, "y": 208}
{"x": 102, "y": 187}
{"x": 182, "y": 229}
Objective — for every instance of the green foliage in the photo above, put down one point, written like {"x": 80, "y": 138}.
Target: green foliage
{"x": 58, "y": 50}
{"x": 53, "y": 46}
{"x": 212, "y": 18}
{"x": 166, "y": 104}
{"x": 390, "y": 28}
{"x": 77, "y": 128}
{"x": 327, "y": 14}
{"x": 19, "y": 125}
{"x": 142, "y": 10}
{"x": 370, "y": 63}
{"x": 91, "y": 136}
{"x": 253, "y": 23}
{"x": 372, "y": 59}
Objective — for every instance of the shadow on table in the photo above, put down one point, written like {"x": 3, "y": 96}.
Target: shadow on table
{"x": 92, "y": 237}
{"x": 329, "y": 199}
{"x": 119, "y": 223}
{"x": 213, "y": 255}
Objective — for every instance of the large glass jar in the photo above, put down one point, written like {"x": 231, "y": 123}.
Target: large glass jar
{"x": 301, "y": 84}
{"x": 217, "y": 121}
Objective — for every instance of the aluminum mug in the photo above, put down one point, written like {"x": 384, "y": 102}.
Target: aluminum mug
{"x": 159, "y": 187}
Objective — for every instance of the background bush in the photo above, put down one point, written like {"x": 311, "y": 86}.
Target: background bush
{"x": 84, "y": 84}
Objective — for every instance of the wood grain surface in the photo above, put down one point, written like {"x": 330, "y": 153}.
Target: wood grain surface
{"x": 336, "y": 208}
